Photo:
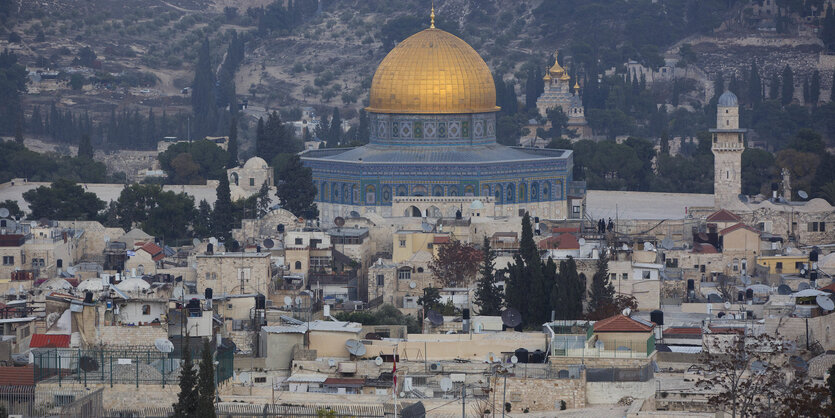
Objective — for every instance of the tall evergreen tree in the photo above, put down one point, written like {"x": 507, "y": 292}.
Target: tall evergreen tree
{"x": 569, "y": 293}
{"x": 718, "y": 86}
{"x": 85, "y": 149}
{"x": 774, "y": 87}
{"x": 832, "y": 89}
{"x": 232, "y": 147}
{"x": 203, "y": 223}
{"x": 187, "y": 400}
{"x": 296, "y": 189}
{"x": 335, "y": 134}
{"x": 206, "y": 384}
{"x": 815, "y": 88}
{"x": 487, "y": 295}
{"x": 222, "y": 215}
{"x": 807, "y": 92}
{"x": 535, "y": 310}
{"x": 787, "y": 93}
{"x": 364, "y": 130}
{"x": 754, "y": 85}
{"x": 602, "y": 291}
{"x": 203, "y": 101}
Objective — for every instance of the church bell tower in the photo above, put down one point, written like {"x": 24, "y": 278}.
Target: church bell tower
{"x": 728, "y": 145}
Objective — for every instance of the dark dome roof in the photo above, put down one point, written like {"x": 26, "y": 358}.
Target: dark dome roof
{"x": 728, "y": 99}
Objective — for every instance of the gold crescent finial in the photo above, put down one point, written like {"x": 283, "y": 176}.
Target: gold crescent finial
{"x": 432, "y": 16}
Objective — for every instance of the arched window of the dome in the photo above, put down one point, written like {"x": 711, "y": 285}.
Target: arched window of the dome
{"x": 335, "y": 198}
{"x": 546, "y": 192}
{"x": 437, "y": 191}
{"x": 452, "y": 191}
{"x": 326, "y": 190}
{"x": 355, "y": 194}
{"x": 419, "y": 190}
{"x": 346, "y": 193}
{"x": 534, "y": 191}
{"x": 386, "y": 194}
{"x": 402, "y": 190}
{"x": 498, "y": 193}
{"x": 510, "y": 193}
{"x": 370, "y": 195}
{"x": 523, "y": 192}
{"x": 485, "y": 190}
{"x": 469, "y": 190}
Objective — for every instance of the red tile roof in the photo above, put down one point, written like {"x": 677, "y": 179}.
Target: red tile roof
{"x": 17, "y": 376}
{"x": 740, "y": 225}
{"x": 726, "y": 330}
{"x": 830, "y": 287}
{"x": 441, "y": 239}
{"x": 560, "y": 230}
{"x": 723, "y": 216}
{"x": 621, "y": 323}
{"x": 153, "y": 249}
{"x": 49, "y": 341}
{"x": 683, "y": 331}
{"x": 561, "y": 241}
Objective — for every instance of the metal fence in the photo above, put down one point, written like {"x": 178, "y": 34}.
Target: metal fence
{"x": 89, "y": 406}
{"x": 576, "y": 346}
{"x": 25, "y": 401}
{"x": 642, "y": 374}
{"x": 119, "y": 366}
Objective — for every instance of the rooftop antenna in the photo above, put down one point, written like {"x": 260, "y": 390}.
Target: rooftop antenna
{"x": 432, "y": 16}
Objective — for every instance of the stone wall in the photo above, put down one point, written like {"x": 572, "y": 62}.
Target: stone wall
{"x": 123, "y": 396}
{"x": 543, "y": 394}
{"x": 612, "y": 392}
{"x": 116, "y": 335}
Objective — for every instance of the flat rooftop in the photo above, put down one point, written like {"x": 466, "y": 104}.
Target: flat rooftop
{"x": 643, "y": 205}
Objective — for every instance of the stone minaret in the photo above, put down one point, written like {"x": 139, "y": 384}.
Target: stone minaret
{"x": 728, "y": 144}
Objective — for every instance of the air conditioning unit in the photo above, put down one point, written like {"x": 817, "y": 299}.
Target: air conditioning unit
{"x": 436, "y": 367}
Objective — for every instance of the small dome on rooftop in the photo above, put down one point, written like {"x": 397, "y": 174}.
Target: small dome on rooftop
{"x": 728, "y": 99}
{"x": 255, "y": 162}
{"x": 476, "y": 204}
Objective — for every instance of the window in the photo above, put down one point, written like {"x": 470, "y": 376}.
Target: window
{"x": 262, "y": 379}
{"x": 299, "y": 241}
{"x": 798, "y": 265}
{"x": 381, "y": 280}
{"x": 625, "y": 276}
{"x": 60, "y": 263}
{"x": 702, "y": 268}
{"x": 779, "y": 265}
{"x": 298, "y": 265}
{"x": 402, "y": 243}
{"x": 613, "y": 276}
{"x": 816, "y": 227}
{"x": 822, "y": 226}
{"x": 404, "y": 274}
{"x": 146, "y": 309}
{"x": 8, "y": 260}
{"x": 252, "y": 181}
{"x": 645, "y": 274}
{"x": 576, "y": 209}
{"x": 420, "y": 269}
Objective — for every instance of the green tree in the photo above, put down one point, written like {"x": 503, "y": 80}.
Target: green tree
{"x": 602, "y": 291}
{"x": 274, "y": 137}
{"x": 526, "y": 289}
{"x": 160, "y": 213}
{"x": 815, "y": 88}
{"x": 569, "y": 292}
{"x": 194, "y": 162}
{"x": 758, "y": 170}
{"x": 13, "y": 208}
{"x": 203, "y": 222}
{"x": 63, "y": 200}
{"x": 335, "y": 134}
{"x": 222, "y": 216}
{"x": 76, "y": 81}
{"x": 203, "y": 101}
{"x": 232, "y": 148}
{"x": 487, "y": 294}
{"x": 206, "y": 383}
{"x": 754, "y": 85}
{"x": 188, "y": 398}
{"x": 774, "y": 87}
{"x": 296, "y": 190}
{"x": 787, "y": 94}
{"x": 85, "y": 149}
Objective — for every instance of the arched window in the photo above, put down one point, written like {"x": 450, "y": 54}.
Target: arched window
{"x": 534, "y": 191}
{"x": 510, "y": 193}
{"x": 452, "y": 191}
{"x": 235, "y": 178}
{"x": 370, "y": 194}
{"x": 419, "y": 191}
{"x": 402, "y": 190}
{"x": 499, "y": 194}
{"x": 546, "y": 192}
{"x": 386, "y": 194}
{"x": 298, "y": 265}
{"x": 469, "y": 190}
{"x": 437, "y": 191}
{"x": 523, "y": 192}
{"x": 485, "y": 190}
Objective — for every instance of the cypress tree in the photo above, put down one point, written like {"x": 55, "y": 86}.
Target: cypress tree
{"x": 232, "y": 147}
{"x": 487, "y": 295}
{"x": 788, "y": 85}
{"x": 718, "y": 87}
{"x": 815, "y": 88}
{"x": 187, "y": 399}
{"x": 754, "y": 85}
{"x": 364, "y": 131}
{"x": 222, "y": 214}
{"x": 203, "y": 102}
{"x": 335, "y": 134}
{"x": 807, "y": 92}
{"x": 774, "y": 87}
{"x": 832, "y": 89}
{"x": 85, "y": 149}
{"x": 296, "y": 189}
{"x": 602, "y": 291}
{"x": 536, "y": 308}
{"x": 206, "y": 384}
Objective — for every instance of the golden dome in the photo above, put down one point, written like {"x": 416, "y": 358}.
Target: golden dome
{"x": 432, "y": 72}
{"x": 557, "y": 71}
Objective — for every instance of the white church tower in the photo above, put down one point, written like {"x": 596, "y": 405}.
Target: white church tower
{"x": 728, "y": 145}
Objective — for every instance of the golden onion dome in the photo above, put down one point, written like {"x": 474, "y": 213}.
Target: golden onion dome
{"x": 547, "y": 77}
{"x": 432, "y": 72}
{"x": 557, "y": 70}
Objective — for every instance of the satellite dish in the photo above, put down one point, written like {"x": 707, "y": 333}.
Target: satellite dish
{"x": 196, "y": 242}
{"x": 825, "y": 302}
{"x": 378, "y": 361}
{"x": 784, "y": 289}
{"x": 511, "y": 318}
{"x": 435, "y": 318}
{"x": 514, "y": 359}
{"x": 803, "y": 195}
{"x": 803, "y": 286}
{"x": 581, "y": 241}
{"x": 412, "y": 285}
{"x": 355, "y": 347}
{"x": 268, "y": 243}
{"x": 339, "y": 221}
{"x": 446, "y": 384}
{"x": 648, "y": 246}
{"x": 624, "y": 247}
{"x": 727, "y": 305}
{"x": 757, "y": 366}
{"x": 626, "y": 312}
{"x": 298, "y": 301}
{"x": 4, "y": 213}
{"x": 355, "y": 214}
{"x": 798, "y": 363}
{"x": 288, "y": 301}
{"x": 164, "y": 345}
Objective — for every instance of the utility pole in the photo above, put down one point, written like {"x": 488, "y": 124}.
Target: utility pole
{"x": 463, "y": 401}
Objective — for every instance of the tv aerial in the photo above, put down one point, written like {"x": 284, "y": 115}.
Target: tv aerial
{"x": 355, "y": 347}
{"x": 727, "y": 305}
{"x": 435, "y": 318}
{"x": 511, "y": 318}
{"x": 626, "y": 311}
{"x": 196, "y": 242}
{"x": 803, "y": 286}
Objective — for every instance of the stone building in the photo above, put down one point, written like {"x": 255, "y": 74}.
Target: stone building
{"x": 233, "y": 272}
{"x": 247, "y": 180}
